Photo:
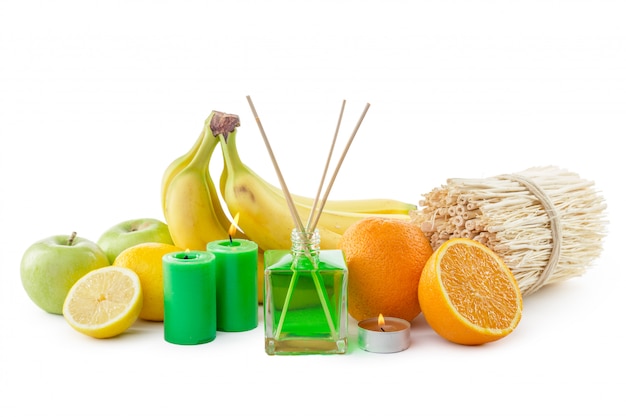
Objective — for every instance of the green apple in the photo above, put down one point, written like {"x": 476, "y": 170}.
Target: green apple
{"x": 133, "y": 232}
{"x": 52, "y": 265}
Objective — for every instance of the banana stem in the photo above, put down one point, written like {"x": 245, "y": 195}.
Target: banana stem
{"x": 202, "y": 157}
{"x": 218, "y": 125}
{"x": 223, "y": 123}
{"x": 230, "y": 154}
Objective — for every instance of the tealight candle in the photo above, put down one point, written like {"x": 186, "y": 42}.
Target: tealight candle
{"x": 189, "y": 297}
{"x": 236, "y": 284}
{"x": 384, "y": 334}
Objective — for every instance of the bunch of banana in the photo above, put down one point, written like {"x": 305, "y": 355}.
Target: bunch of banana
{"x": 265, "y": 215}
{"x": 189, "y": 198}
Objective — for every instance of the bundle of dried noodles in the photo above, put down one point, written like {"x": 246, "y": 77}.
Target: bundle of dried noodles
{"x": 546, "y": 223}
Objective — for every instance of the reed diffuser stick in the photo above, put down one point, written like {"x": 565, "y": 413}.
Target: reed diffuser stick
{"x": 320, "y": 290}
{"x": 343, "y": 155}
{"x": 283, "y": 184}
{"x": 298, "y": 224}
{"x": 330, "y": 154}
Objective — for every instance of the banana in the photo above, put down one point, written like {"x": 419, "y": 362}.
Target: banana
{"x": 192, "y": 208}
{"x": 221, "y": 216}
{"x": 176, "y": 166}
{"x": 367, "y": 206}
{"x": 265, "y": 214}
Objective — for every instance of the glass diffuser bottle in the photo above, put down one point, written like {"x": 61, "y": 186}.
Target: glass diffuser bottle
{"x": 305, "y": 295}
{"x": 305, "y": 308}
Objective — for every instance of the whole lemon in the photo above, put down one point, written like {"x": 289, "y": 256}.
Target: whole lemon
{"x": 385, "y": 258}
{"x": 146, "y": 260}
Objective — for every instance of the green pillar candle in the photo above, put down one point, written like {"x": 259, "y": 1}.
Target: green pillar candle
{"x": 236, "y": 284}
{"x": 189, "y": 297}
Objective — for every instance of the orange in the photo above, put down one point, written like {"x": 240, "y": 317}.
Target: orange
{"x": 468, "y": 295}
{"x": 385, "y": 258}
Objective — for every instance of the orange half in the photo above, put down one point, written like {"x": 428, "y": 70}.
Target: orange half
{"x": 468, "y": 295}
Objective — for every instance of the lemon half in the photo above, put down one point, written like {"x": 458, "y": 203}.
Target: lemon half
{"x": 105, "y": 302}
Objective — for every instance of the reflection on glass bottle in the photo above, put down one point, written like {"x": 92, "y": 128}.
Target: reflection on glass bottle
{"x": 305, "y": 309}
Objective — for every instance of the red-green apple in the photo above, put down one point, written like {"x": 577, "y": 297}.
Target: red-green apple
{"x": 50, "y": 267}
{"x": 133, "y": 232}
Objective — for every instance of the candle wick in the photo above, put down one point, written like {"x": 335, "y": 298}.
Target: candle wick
{"x": 231, "y": 239}
{"x": 382, "y": 329}
{"x": 186, "y": 257}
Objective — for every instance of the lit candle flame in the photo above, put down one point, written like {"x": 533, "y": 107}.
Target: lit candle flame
{"x": 233, "y": 227}
{"x": 381, "y": 321}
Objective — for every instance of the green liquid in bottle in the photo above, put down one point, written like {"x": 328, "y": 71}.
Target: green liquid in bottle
{"x": 305, "y": 309}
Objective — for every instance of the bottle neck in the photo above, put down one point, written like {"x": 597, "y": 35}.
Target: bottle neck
{"x": 305, "y": 243}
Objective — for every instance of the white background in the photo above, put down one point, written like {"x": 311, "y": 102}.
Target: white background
{"x": 96, "y": 98}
